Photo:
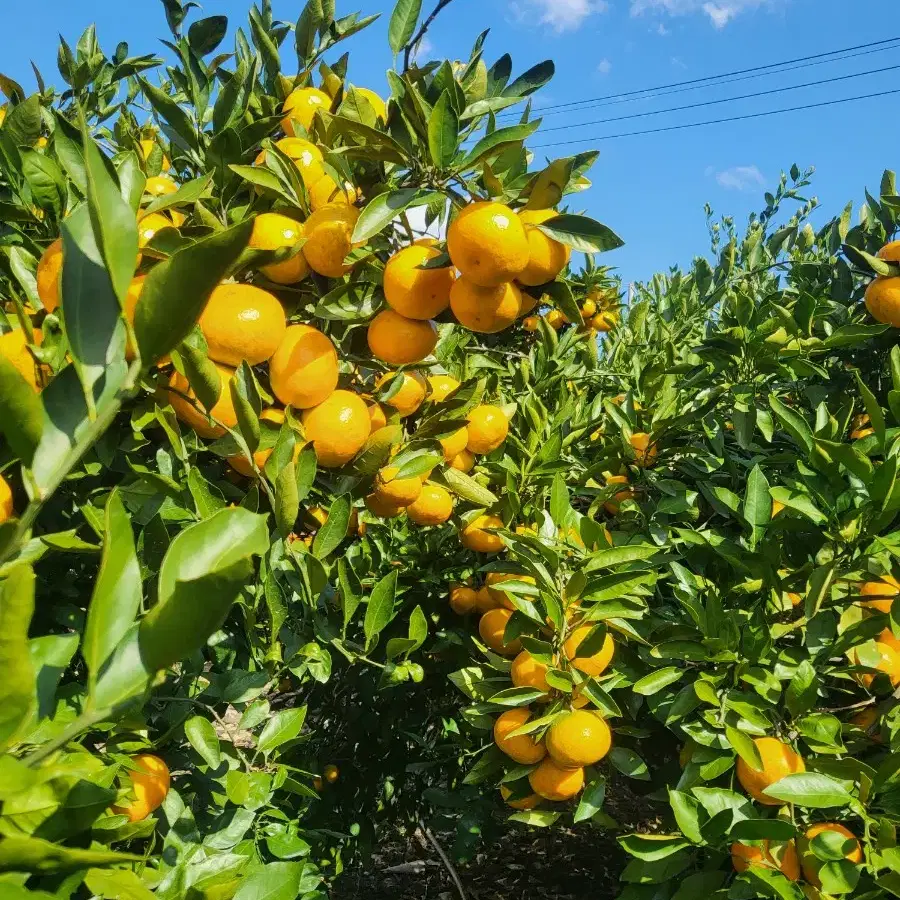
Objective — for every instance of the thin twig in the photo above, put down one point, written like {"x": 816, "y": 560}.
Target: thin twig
{"x": 444, "y": 858}
{"x": 407, "y": 52}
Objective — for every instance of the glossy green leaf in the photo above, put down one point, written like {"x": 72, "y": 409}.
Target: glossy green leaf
{"x": 203, "y": 738}
{"x": 21, "y": 412}
{"x": 403, "y": 23}
{"x": 17, "y": 694}
{"x": 380, "y": 608}
{"x": 283, "y": 726}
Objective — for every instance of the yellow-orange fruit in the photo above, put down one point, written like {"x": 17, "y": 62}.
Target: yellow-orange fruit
{"x": 377, "y": 104}
{"x": 413, "y": 292}
{"x": 526, "y": 671}
{"x": 594, "y": 665}
{"x": 273, "y": 231}
{"x": 880, "y": 594}
{"x": 494, "y": 583}
{"x": 150, "y": 782}
{"x": 474, "y": 537}
{"x": 529, "y": 802}
{"x": 454, "y": 444}
{"x": 399, "y": 341}
{"x": 441, "y": 387}
{"x": 488, "y": 428}
{"x": 888, "y": 663}
{"x": 778, "y": 761}
{"x": 394, "y": 491}
{"x": 463, "y": 461}
{"x": 612, "y": 506}
{"x": 463, "y": 600}
{"x": 554, "y": 782}
{"x": 14, "y": 347}
{"x": 777, "y": 507}
{"x": 645, "y": 453}
{"x": 410, "y": 396}
{"x": 605, "y": 321}
{"x": 160, "y": 186}
{"x": 303, "y": 370}
{"x": 812, "y": 865}
{"x": 555, "y": 319}
{"x": 522, "y": 748}
{"x": 531, "y": 323}
{"x": 377, "y": 416}
{"x": 890, "y": 252}
{"x": 492, "y": 626}
{"x": 329, "y": 232}
{"x": 485, "y": 310}
{"x": 579, "y": 738}
{"x": 337, "y": 428}
{"x": 150, "y": 225}
{"x": 331, "y": 773}
{"x": 432, "y": 507}
{"x": 242, "y": 322}
{"x": 547, "y": 257}
{"x": 300, "y": 107}
{"x": 487, "y": 243}
{"x": 780, "y": 857}
{"x": 147, "y": 147}
{"x": 7, "y": 510}
{"x": 883, "y": 300}
{"x": 48, "y": 272}
{"x": 383, "y": 510}
{"x": 223, "y": 411}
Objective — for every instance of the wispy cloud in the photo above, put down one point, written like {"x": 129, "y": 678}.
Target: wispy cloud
{"x": 560, "y": 15}
{"x": 423, "y": 48}
{"x": 739, "y": 178}
{"x": 604, "y": 67}
{"x": 720, "y": 12}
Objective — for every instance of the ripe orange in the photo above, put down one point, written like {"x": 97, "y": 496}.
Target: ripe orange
{"x": 410, "y": 396}
{"x": 223, "y": 411}
{"x": 604, "y": 321}
{"x": 304, "y": 368}
{"x": 15, "y": 348}
{"x": 777, "y": 507}
{"x": 612, "y": 506}
{"x": 588, "y": 309}
{"x": 526, "y": 671}
{"x": 553, "y": 782}
{"x": 494, "y": 582}
{"x": 149, "y": 226}
{"x": 547, "y": 257}
{"x": 594, "y": 665}
{"x": 488, "y": 428}
{"x": 306, "y": 156}
{"x": 531, "y": 323}
{"x": 868, "y": 721}
{"x": 383, "y": 510}
{"x": 487, "y": 243}
{"x": 463, "y": 600}
{"x": 241, "y": 464}
{"x": 328, "y": 238}
{"x": 523, "y": 748}
{"x": 441, "y": 387}
{"x": 485, "y": 599}
{"x": 485, "y": 310}
{"x": 778, "y": 761}
{"x": 454, "y": 444}
{"x": 433, "y": 506}
{"x": 882, "y": 594}
{"x": 890, "y": 252}
{"x": 273, "y": 231}
{"x": 150, "y": 782}
{"x": 399, "y": 341}
{"x": 242, "y": 322}
{"x": 888, "y": 662}
{"x": 7, "y": 509}
{"x": 300, "y": 107}
{"x": 812, "y": 865}
{"x": 160, "y": 186}
{"x": 781, "y": 857}
{"x": 413, "y": 292}
{"x": 337, "y": 428}
{"x": 579, "y": 738}
{"x": 555, "y": 319}
{"x": 492, "y": 626}
{"x": 463, "y": 462}
{"x": 645, "y": 453}
{"x": 147, "y": 147}
{"x": 883, "y": 300}
{"x": 394, "y": 491}
{"x": 377, "y": 416}
{"x": 331, "y": 773}
{"x": 887, "y": 637}
{"x": 529, "y": 802}
{"x": 48, "y": 272}
{"x": 474, "y": 536}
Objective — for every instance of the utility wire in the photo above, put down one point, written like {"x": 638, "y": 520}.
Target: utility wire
{"x": 758, "y": 115}
{"x": 714, "y": 80}
{"x": 780, "y": 90}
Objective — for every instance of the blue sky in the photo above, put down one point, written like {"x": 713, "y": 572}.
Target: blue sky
{"x": 650, "y": 189}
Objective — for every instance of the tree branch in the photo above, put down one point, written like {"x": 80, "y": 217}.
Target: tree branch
{"x": 407, "y": 51}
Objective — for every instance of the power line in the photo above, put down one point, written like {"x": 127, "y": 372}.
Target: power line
{"x": 771, "y": 112}
{"x": 660, "y": 112}
{"x": 698, "y": 83}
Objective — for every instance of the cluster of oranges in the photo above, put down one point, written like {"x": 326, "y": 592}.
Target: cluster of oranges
{"x": 883, "y": 294}
{"x": 599, "y": 312}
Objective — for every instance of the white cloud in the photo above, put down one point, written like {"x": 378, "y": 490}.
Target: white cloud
{"x": 661, "y": 30}
{"x": 560, "y": 15}
{"x": 604, "y": 67}
{"x": 422, "y": 49}
{"x": 720, "y": 12}
{"x": 740, "y": 178}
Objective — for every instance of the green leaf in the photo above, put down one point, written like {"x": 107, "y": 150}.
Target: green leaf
{"x": 496, "y": 142}
{"x": 23, "y": 122}
{"x": 629, "y": 763}
{"x": 443, "y": 132}
{"x": 203, "y": 738}
{"x": 117, "y": 884}
{"x": 466, "y": 487}
{"x": 418, "y": 628}
{"x": 812, "y": 789}
{"x": 330, "y": 535}
{"x": 176, "y": 290}
{"x": 795, "y": 425}
{"x": 757, "y": 508}
{"x": 744, "y": 746}
{"x": 21, "y": 412}
{"x": 798, "y": 502}
{"x": 873, "y": 408}
{"x": 31, "y": 854}
{"x": 125, "y": 675}
{"x": 189, "y": 192}
{"x": 205, "y": 35}
{"x": 351, "y": 591}
{"x": 170, "y": 111}
{"x": 117, "y": 591}
{"x": 403, "y": 23}
{"x": 287, "y": 498}
{"x": 657, "y": 680}
{"x": 591, "y": 801}
{"x": 283, "y": 726}
{"x": 17, "y": 695}
{"x": 581, "y": 233}
{"x": 385, "y": 208}
{"x": 563, "y": 300}
{"x": 380, "y": 608}
{"x": 201, "y": 576}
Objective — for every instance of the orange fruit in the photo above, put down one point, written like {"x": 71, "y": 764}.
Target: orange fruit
{"x": 491, "y": 627}
{"x": 494, "y": 582}
{"x": 381, "y": 509}
{"x": 867, "y": 720}
{"x": 890, "y": 252}
{"x": 529, "y": 802}
{"x": 325, "y": 191}
{"x": 883, "y": 300}
{"x": 377, "y": 416}
{"x": 781, "y": 857}
{"x": 441, "y": 387}
{"x": 273, "y": 231}
{"x": 394, "y": 491}
{"x": 553, "y": 782}
{"x": 15, "y": 348}
{"x": 488, "y": 428}
{"x": 526, "y": 671}
{"x": 555, "y": 319}
{"x": 588, "y": 309}
{"x": 328, "y": 238}
{"x": 612, "y": 506}
{"x": 888, "y": 663}
{"x": 547, "y": 257}
{"x": 485, "y": 310}
{"x": 485, "y": 599}
{"x": 522, "y": 748}
{"x": 579, "y": 738}
{"x": 777, "y": 507}
{"x": 242, "y": 322}
{"x": 331, "y": 773}
{"x": 411, "y": 395}
{"x": 812, "y": 865}
{"x": 300, "y": 107}
{"x": 149, "y": 226}
{"x": 463, "y": 462}
{"x": 160, "y": 186}
{"x": 147, "y": 147}
{"x": 150, "y": 783}
{"x": 399, "y": 341}
{"x": 455, "y": 443}
{"x": 881, "y": 594}
{"x": 594, "y": 665}
{"x": 531, "y": 323}
{"x": 337, "y": 428}
{"x": 6, "y": 501}
{"x": 604, "y": 321}
{"x": 413, "y": 292}
{"x": 48, "y": 272}
{"x": 306, "y": 157}
{"x": 645, "y": 453}
{"x": 303, "y": 370}
{"x": 463, "y": 600}
{"x": 487, "y": 243}
{"x": 223, "y": 411}
{"x": 474, "y": 536}
{"x": 778, "y": 761}
{"x": 375, "y": 102}
{"x": 887, "y": 637}
{"x": 433, "y": 506}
